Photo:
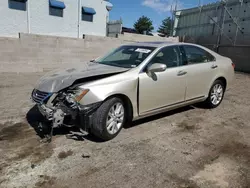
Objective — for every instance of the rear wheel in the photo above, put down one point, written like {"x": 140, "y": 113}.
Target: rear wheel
{"x": 109, "y": 119}
{"x": 216, "y": 94}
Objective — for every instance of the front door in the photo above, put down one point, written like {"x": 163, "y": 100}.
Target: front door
{"x": 162, "y": 89}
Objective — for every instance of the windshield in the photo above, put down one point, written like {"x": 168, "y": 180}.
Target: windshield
{"x": 127, "y": 56}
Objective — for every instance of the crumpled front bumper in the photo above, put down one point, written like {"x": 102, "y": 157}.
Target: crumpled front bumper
{"x": 45, "y": 111}
{"x": 56, "y": 116}
{"x": 81, "y": 117}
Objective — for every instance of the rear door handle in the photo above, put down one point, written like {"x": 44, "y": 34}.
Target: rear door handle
{"x": 181, "y": 73}
{"x": 214, "y": 66}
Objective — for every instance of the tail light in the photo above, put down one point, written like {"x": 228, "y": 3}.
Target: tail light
{"x": 233, "y": 65}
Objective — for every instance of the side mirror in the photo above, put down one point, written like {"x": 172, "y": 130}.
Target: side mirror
{"x": 157, "y": 67}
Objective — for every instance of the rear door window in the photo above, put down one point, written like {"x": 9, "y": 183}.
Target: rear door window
{"x": 195, "y": 55}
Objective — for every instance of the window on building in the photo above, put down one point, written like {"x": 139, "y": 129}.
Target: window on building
{"x": 87, "y": 17}
{"x": 56, "y": 8}
{"x": 18, "y": 4}
{"x": 55, "y": 12}
{"x": 88, "y": 14}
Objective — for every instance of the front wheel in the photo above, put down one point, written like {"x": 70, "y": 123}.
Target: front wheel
{"x": 216, "y": 94}
{"x": 109, "y": 119}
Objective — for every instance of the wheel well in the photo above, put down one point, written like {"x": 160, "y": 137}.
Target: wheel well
{"x": 127, "y": 103}
{"x": 223, "y": 80}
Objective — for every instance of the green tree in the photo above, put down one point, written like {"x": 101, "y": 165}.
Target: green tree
{"x": 143, "y": 24}
{"x": 166, "y": 27}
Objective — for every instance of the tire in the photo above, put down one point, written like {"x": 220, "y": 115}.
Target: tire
{"x": 103, "y": 127}
{"x": 215, "y": 98}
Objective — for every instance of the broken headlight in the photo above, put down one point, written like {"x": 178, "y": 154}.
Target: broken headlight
{"x": 70, "y": 98}
{"x": 80, "y": 94}
{"x": 75, "y": 96}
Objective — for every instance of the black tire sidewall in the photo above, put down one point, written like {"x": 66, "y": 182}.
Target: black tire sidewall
{"x": 99, "y": 128}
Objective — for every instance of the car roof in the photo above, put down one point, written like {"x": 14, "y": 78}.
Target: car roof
{"x": 159, "y": 44}
{"x": 154, "y": 43}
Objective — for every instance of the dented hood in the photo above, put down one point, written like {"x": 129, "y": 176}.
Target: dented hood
{"x": 61, "y": 79}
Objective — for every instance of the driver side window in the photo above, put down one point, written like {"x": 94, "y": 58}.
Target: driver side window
{"x": 169, "y": 56}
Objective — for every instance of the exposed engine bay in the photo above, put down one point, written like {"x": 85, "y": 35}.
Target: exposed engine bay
{"x": 58, "y": 106}
{"x": 64, "y": 109}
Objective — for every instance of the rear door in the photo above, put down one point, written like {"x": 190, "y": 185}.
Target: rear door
{"x": 201, "y": 70}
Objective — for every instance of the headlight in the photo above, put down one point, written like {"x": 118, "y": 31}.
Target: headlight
{"x": 74, "y": 96}
{"x": 80, "y": 94}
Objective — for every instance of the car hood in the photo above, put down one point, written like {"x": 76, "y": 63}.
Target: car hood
{"x": 61, "y": 79}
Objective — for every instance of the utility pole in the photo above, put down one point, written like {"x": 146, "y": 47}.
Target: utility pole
{"x": 78, "y": 22}
{"x": 173, "y": 12}
{"x": 28, "y": 16}
{"x": 237, "y": 23}
{"x": 221, "y": 24}
{"x": 200, "y": 7}
{"x": 172, "y": 20}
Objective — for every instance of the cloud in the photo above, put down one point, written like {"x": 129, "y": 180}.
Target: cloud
{"x": 162, "y": 5}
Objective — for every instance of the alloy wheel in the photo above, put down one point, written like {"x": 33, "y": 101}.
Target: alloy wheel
{"x": 216, "y": 94}
{"x": 115, "y": 118}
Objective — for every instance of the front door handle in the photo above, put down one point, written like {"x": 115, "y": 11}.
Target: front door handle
{"x": 181, "y": 73}
{"x": 214, "y": 66}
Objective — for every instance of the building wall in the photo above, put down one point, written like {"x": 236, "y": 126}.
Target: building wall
{"x": 98, "y": 26}
{"x": 39, "y": 53}
{"x": 114, "y": 28}
{"x": 36, "y": 19}
{"x": 41, "y": 22}
{"x": 239, "y": 55}
{"x": 199, "y": 22}
{"x": 12, "y": 20}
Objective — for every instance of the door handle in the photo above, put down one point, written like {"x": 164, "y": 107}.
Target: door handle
{"x": 214, "y": 66}
{"x": 181, "y": 73}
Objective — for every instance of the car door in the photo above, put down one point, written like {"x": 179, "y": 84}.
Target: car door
{"x": 162, "y": 89}
{"x": 201, "y": 70}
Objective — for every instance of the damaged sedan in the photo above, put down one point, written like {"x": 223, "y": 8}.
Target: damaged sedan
{"x": 132, "y": 82}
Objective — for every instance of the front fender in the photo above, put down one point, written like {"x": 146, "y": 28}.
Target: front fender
{"x": 101, "y": 92}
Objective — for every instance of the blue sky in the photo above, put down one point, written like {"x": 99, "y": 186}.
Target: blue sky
{"x": 156, "y": 10}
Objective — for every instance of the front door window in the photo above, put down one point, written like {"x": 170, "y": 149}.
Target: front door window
{"x": 169, "y": 56}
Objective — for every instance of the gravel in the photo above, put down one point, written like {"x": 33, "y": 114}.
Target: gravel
{"x": 187, "y": 148}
